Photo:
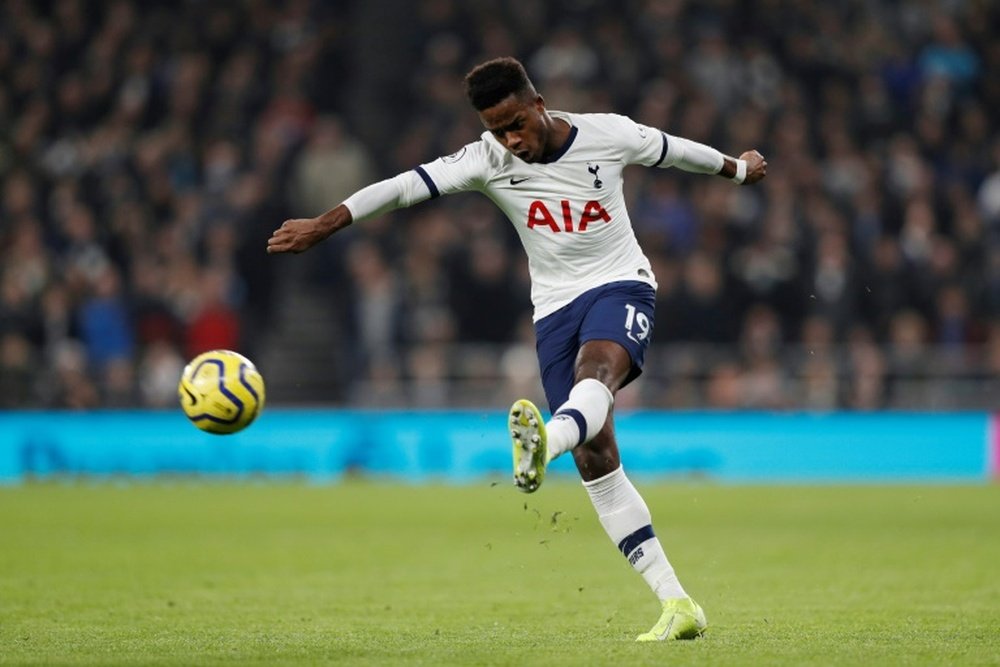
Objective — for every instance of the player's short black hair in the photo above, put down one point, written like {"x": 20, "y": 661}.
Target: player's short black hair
{"x": 492, "y": 81}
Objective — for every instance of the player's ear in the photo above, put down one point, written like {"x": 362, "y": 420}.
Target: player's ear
{"x": 539, "y": 103}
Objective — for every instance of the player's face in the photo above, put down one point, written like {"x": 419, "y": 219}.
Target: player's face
{"x": 520, "y": 125}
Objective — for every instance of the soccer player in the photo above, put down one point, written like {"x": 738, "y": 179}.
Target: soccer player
{"x": 558, "y": 178}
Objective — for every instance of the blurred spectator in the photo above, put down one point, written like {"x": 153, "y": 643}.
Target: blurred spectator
{"x": 988, "y": 195}
{"x": 487, "y": 304}
{"x": 819, "y": 367}
{"x": 868, "y": 373}
{"x": 17, "y": 371}
{"x": 105, "y": 327}
{"x": 832, "y": 288}
{"x": 159, "y": 372}
{"x": 215, "y": 324}
{"x": 703, "y": 309}
{"x": 332, "y": 166}
{"x": 377, "y": 305}
{"x": 725, "y": 388}
{"x": 73, "y": 387}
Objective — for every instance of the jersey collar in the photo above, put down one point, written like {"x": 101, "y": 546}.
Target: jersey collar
{"x": 567, "y": 144}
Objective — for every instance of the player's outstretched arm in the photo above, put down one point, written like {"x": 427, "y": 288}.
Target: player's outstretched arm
{"x": 700, "y": 158}
{"x": 303, "y": 233}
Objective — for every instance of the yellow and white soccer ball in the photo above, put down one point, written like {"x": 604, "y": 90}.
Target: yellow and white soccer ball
{"x": 221, "y": 391}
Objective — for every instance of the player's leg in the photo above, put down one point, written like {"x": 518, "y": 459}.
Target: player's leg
{"x": 577, "y": 421}
{"x": 626, "y": 517}
{"x": 621, "y": 510}
{"x": 607, "y": 363}
{"x": 613, "y": 355}
{"x": 579, "y": 386}
{"x": 600, "y": 368}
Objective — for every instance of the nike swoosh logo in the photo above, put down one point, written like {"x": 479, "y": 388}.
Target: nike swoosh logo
{"x": 518, "y": 181}
{"x": 666, "y": 632}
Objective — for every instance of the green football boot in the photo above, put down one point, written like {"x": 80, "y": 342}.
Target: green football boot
{"x": 527, "y": 431}
{"x": 682, "y": 618}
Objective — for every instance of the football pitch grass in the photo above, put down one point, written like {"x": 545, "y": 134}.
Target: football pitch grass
{"x": 192, "y": 573}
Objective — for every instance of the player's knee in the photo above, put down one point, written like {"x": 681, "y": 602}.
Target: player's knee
{"x": 604, "y": 361}
{"x": 603, "y": 371}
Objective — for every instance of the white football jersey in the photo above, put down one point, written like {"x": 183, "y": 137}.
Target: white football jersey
{"x": 569, "y": 211}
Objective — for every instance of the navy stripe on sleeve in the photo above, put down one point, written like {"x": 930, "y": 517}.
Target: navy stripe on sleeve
{"x": 630, "y": 543}
{"x": 663, "y": 152}
{"x": 428, "y": 181}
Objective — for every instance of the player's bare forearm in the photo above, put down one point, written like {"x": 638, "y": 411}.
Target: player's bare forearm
{"x": 756, "y": 167}
{"x": 303, "y": 233}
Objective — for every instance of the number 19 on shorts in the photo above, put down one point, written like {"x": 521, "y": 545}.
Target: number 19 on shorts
{"x": 636, "y": 324}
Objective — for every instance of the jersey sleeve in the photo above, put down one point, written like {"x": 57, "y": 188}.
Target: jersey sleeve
{"x": 655, "y": 148}
{"x": 640, "y": 143}
{"x": 463, "y": 170}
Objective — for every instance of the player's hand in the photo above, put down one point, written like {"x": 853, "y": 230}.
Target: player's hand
{"x": 756, "y": 167}
{"x": 295, "y": 236}
{"x": 303, "y": 233}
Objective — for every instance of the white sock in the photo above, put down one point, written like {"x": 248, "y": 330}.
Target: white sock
{"x": 580, "y": 418}
{"x": 626, "y": 519}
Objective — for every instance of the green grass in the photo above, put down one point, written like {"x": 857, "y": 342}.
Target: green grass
{"x": 375, "y": 574}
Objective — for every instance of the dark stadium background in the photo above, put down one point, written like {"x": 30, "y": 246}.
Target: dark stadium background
{"x": 815, "y": 435}
{"x": 148, "y": 149}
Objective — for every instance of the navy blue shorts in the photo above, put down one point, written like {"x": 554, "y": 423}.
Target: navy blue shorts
{"x": 621, "y": 312}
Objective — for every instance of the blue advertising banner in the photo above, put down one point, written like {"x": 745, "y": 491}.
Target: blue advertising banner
{"x": 324, "y": 445}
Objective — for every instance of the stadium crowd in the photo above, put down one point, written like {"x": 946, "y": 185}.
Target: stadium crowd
{"x": 147, "y": 150}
